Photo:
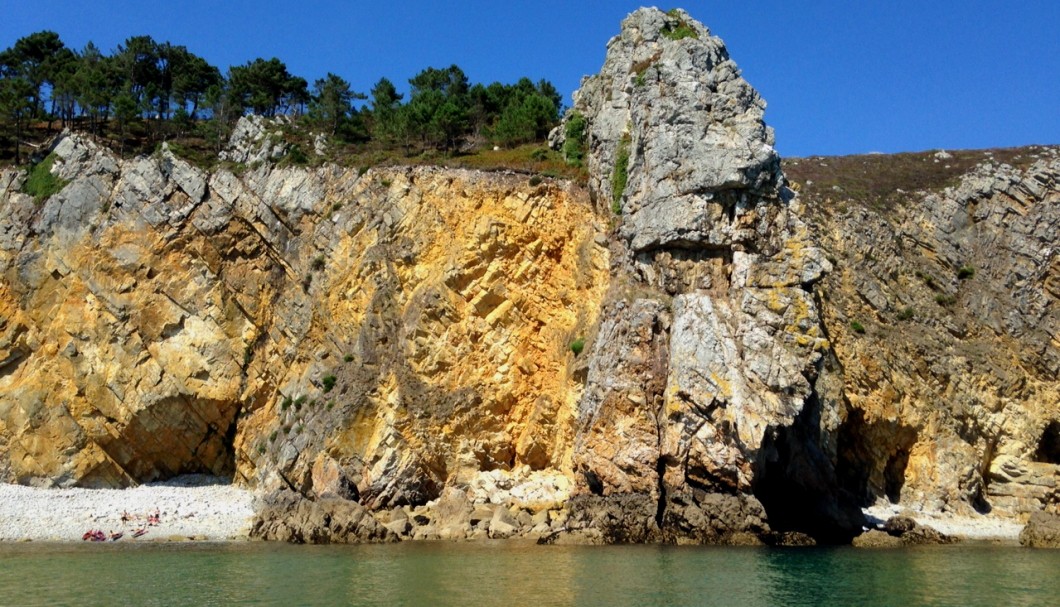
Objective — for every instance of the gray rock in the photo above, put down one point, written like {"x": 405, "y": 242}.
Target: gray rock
{"x": 503, "y": 524}
{"x": 250, "y": 142}
{"x": 288, "y": 517}
{"x": 1041, "y": 531}
{"x": 698, "y": 149}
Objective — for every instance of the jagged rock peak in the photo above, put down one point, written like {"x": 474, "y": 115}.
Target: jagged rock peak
{"x": 670, "y": 109}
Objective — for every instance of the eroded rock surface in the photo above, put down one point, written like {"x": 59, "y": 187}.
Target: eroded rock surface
{"x": 391, "y": 353}
{"x": 709, "y": 360}
{"x": 943, "y": 313}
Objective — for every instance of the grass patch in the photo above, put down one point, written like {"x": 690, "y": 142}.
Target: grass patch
{"x": 41, "y": 184}
{"x": 965, "y": 272}
{"x": 679, "y": 30}
{"x": 907, "y": 313}
{"x": 857, "y": 327}
{"x": 329, "y": 383}
{"x": 620, "y": 174}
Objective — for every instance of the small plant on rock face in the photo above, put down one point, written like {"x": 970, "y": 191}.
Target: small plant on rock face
{"x": 907, "y": 313}
{"x": 329, "y": 383}
{"x": 965, "y": 272}
{"x": 945, "y": 300}
{"x": 857, "y": 327}
{"x": 577, "y": 346}
{"x": 318, "y": 263}
{"x": 535, "y": 181}
{"x": 620, "y": 174}
{"x": 348, "y": 358}
{"x": 41, "y": 183}
{"x": 287, "y": 402}
{"x": 574, "y": 144}
{"x": 679, "y": 30}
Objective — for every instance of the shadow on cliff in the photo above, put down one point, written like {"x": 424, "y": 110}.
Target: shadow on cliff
{"x": 797, "y": 483}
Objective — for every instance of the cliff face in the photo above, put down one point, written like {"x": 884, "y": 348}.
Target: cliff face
{"x": 942, "y": 312}
{"x": 399, "y": 328}
{"x": 751, "y": 366}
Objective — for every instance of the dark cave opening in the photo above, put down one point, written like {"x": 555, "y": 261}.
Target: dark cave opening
{"x": 797, "y": 485}
{"x": 1048, "y": 451}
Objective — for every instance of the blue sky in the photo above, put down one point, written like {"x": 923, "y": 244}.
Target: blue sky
{"x": 840, "y": 77}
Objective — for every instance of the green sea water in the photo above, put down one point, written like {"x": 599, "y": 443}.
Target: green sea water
{"x": 508, "y": 574}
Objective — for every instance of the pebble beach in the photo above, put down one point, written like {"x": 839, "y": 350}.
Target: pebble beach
{"x": 204, "y": 508}
{"x": 189, "y": 508}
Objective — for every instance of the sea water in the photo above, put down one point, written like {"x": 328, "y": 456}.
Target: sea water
{"x": 511, "y": 574}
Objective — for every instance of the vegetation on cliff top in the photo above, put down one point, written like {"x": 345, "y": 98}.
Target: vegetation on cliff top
{"x": 147, "y": 92}
{"x": 881, "y": 182}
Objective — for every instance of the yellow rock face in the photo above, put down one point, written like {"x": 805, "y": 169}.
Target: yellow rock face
{"x": 399, "y": 329}
{"x": 445, "y": 329}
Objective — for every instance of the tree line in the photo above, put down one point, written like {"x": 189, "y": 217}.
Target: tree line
{"x": 165, "y": 90}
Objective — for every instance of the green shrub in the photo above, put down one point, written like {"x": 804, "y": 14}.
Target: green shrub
{"x": 620, "y": 174}
{"x": 535, "y": 181}
{"x": 318, "y": 263}
{"x": 261, "y": 448}
{"x": 965, "y": 272}
{"x": 331, "y": 405}
{"x": 329, "y": 383}
{"x": 945, "y": 300}
{"x": 857, "y": 327}
{"x": 348, "y": 358}
{"x": 272, "y": 437}
{"x": 907, "y": 313}
{"x": 577, "y": 346}
{"x": 539, "y": 154}
{"x": 41, "y": 184}
{"x": 296, "y": 156}
{"x": 287, "y": 402}
{"x": 574, "y": 144}
{"x": 679, "y": 30}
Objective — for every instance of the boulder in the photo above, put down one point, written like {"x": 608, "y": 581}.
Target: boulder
{"x": 1041, "y": 531}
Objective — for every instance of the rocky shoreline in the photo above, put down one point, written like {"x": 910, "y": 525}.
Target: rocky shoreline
{"x": 199, "y": 508}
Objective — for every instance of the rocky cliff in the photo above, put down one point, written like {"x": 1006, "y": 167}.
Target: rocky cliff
{"x": 686, "y": 350}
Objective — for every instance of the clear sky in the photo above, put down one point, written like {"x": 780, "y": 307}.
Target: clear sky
{"x": 840, "y": 76}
